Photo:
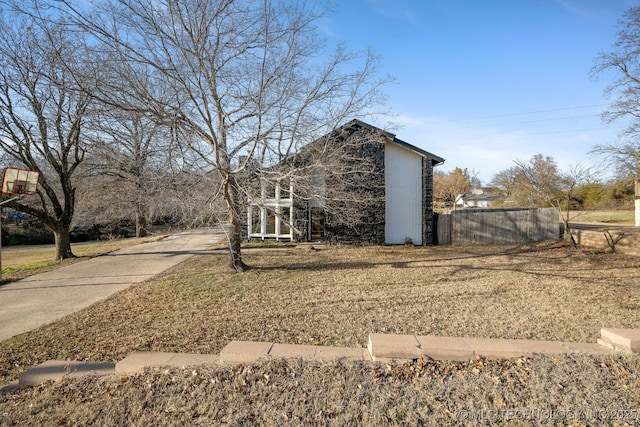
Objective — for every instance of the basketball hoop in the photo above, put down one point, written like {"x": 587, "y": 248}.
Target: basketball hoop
{"x": 20, "y": 181}
{"x": 17, "y": 182}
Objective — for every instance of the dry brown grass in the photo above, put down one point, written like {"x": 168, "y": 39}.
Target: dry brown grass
{"x": 337, "y": 296}
{"x": 571, "y": 390}
{"x": 617, "y": 217}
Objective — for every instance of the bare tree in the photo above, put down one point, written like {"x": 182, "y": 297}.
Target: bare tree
{"x": 448, "y": 186}
{"x": 551, "y": 186}
{"x": 516, "y": 187}
{"x": 505, "y": 180}
{"x": 623, "y": 157}
{"x": 42, "y": 116}
{"x": 624, "y": 62}
{"x": 242, "y": 78}
{"x": 172, "y": 195}
{"x": 340, "y": 175}
{"x": 129, "y": 149}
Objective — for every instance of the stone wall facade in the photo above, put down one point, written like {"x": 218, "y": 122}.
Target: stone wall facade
{"x": 354, "y": 207}
{"x": 368, "y": 190}
{"x": 428, "y": 217}
{"x": 353, "y": 203}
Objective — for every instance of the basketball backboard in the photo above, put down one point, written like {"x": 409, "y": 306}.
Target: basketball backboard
{"x": 19, "y": 181}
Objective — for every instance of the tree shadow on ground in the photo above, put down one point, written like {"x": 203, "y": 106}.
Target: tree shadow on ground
{"x": 539, "y": 260}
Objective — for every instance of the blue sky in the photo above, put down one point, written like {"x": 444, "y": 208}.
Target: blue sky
{"x": 484, "y": 82}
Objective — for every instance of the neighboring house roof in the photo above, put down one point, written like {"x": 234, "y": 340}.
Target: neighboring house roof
{"x": 435, "y": 160}
{"x": 482, "y": 197}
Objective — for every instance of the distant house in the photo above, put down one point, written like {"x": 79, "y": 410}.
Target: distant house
{"x": 358, "y": 184}
{"x": 477, "y": 198}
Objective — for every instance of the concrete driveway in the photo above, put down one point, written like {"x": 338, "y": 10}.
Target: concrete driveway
{"x": 38, "y": 300}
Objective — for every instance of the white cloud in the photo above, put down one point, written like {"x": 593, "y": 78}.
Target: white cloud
{"x": 395, "y": 9}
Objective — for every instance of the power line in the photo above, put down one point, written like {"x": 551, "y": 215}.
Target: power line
{"x": 497, "y": 116}
{"x": 532, "y": 121}
{"x": 575, "y": 131}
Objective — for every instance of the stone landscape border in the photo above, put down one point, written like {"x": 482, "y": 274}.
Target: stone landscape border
{"x": 381, "y": 347}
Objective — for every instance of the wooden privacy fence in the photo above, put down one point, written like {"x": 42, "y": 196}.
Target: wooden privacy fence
{"x": 497, "y": 226}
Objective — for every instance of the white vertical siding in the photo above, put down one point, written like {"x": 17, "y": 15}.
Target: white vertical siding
{"x": 403, "y": 188}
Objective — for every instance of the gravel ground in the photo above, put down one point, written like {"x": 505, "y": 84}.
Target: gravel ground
{"x": 337, "y": 296}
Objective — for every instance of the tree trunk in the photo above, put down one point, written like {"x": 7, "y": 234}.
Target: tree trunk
{"x": 566, "y": 219}
{"x": 63, "y": 244}
{"x": 141, "y": 221}
{"x": 235, "y": 239}
{"x": 235, "y": 230}
{"x": 567, "y": 230}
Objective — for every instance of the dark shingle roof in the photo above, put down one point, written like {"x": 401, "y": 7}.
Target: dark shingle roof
{"x": 435, "y": 159}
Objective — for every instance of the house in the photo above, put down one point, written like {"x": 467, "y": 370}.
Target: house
{"x": 357, "y": 184}
{"x": 478, "y": 198}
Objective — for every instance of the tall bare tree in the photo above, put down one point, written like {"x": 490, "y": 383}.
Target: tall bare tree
{"x": 622, "y": 157}
{"x": 622, "y": 65}
{"x": 548, "y": 185}
{"x": 42, "y": 116}
{"x": 129, "y": 149}
{"x": 241, "y": 77}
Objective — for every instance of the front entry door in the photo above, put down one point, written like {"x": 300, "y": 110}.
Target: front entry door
{"x": 316, "y": 219}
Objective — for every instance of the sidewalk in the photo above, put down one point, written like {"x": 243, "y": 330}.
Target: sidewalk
{"x": 41, "y": 299}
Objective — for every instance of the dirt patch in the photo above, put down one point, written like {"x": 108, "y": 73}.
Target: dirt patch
{"x": 337, "y": 296}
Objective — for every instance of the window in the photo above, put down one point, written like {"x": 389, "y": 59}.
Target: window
{"x": 269, "y": 190}
{"x": 270, "y": 217}
{"x": 284, "y": 190}
{"x": 316, "y": 218}
{"x": 284, "y": 221}
{"x": 271, "y": 223}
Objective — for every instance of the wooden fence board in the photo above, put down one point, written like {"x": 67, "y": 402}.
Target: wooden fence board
{"x": 497, "y": 226}
{"x": 443, "y": 229}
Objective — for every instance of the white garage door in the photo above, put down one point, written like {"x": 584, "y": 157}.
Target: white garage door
{"x": 403, "y": 187}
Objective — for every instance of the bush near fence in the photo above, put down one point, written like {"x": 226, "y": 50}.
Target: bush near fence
{"x": 485, "y": 226}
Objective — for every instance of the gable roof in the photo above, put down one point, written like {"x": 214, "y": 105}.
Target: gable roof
{"x": 482, "y": 197}
{"x": 355, "y": 123}
{"x": 435, "y": 159}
